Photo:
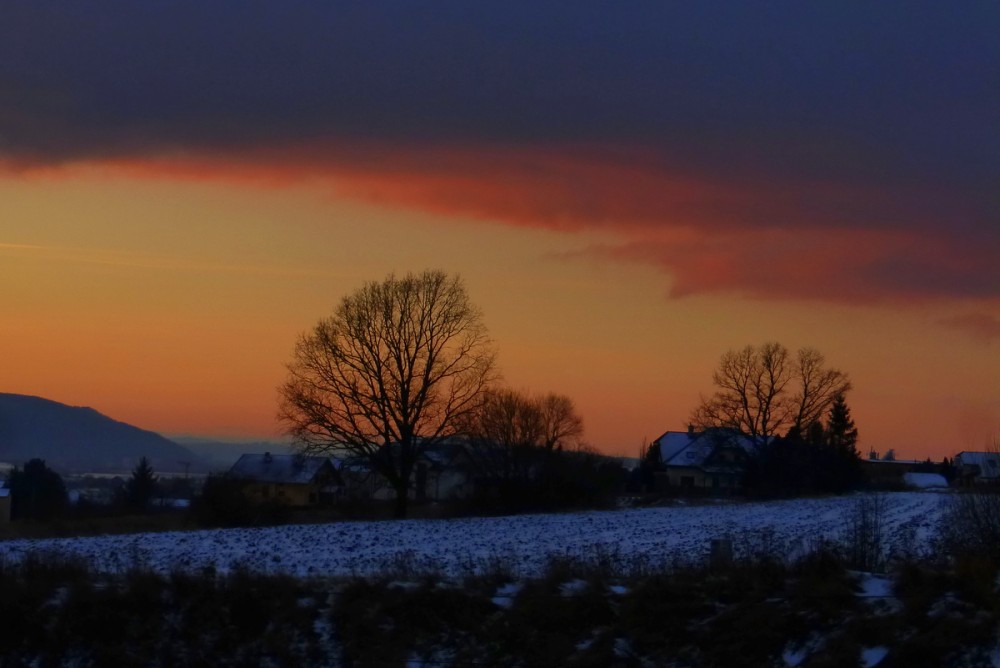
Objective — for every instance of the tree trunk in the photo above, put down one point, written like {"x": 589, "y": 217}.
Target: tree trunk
{"x": 402, "y": 502}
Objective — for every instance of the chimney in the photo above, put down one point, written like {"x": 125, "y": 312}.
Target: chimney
{"x": 267, "y": 457}
{"x": 690, "y": 429}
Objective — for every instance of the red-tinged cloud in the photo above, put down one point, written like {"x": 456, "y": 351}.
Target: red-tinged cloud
{"x": 814, "y": 150}
{"x": 709, "y": 234}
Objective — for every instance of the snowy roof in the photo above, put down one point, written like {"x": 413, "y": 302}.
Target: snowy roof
{"x": 671, "y": 443}
{"x": 988, "y": 462}
{"x": 443, "y": 454}
{"x": 686, "y": 448}
{"x": 293, "y": 469}
{"x": 440, "y": 454}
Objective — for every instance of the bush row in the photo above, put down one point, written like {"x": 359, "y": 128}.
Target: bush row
{"x": 754, "y": 611}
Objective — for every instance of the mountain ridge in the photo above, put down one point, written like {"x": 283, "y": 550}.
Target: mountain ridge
{"x": 79, "y": 438}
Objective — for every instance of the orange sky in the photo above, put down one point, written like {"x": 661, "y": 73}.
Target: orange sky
{"x": 628, "y": 192}
{"x": 172, "y": 302}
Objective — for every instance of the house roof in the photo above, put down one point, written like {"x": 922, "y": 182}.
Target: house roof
{"x": 685, "y": 448}
{"x": 287, "y": 469}
{"x": 439, "y": 455}
{"x": 988, "y": 462}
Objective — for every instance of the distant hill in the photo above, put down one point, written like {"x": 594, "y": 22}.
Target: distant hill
{"x": 71, "y": 438}
{"x": 220, "y": 455}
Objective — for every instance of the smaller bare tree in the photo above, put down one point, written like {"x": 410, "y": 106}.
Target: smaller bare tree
{"x": 504, "y": 432}
{"x": 562, "y": 426}
{"x": 512, "y": 433}
{"x": 762, "y": 390}
{"x": 817, "y": 388}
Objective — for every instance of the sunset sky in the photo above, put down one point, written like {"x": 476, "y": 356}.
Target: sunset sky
{"x": 628, "y": 190}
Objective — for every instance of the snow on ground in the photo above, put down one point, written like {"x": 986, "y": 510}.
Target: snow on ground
{"x": 872, "y": 656}
{"x": 925, "y": 480}
{"x": 525, "y": 542}
{"x": 874, "y": 586}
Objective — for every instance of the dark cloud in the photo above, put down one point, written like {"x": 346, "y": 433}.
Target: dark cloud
{"x": 790, "y": 117}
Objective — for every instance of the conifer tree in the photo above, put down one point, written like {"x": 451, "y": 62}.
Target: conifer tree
{"x": 842, "y": 434}
{"x": 141, "y": 487}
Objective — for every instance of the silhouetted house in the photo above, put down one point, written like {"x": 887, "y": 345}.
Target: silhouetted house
{"x": 442, "y": 472}
{"x": 888, "y": 471}
{"x": 978, "y": 467}
{"x": 291, "y": 480}
{"x": 4, "y": 505}
{"x": 713, "y": 460}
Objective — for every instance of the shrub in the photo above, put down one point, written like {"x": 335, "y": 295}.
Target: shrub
{"x": 864, "y": 540}
{"x": 971, "y": 524}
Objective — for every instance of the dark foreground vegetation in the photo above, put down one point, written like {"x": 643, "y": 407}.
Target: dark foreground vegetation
{"x": 610, "y": 610}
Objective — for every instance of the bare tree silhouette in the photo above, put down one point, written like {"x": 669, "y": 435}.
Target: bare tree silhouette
{"x": 394, "y": 370}
{"x": 762, "y": 391}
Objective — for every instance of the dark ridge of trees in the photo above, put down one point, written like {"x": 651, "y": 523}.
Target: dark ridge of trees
{"x": 37, "y": 492}
{"x": 527, "y": 454}
{"x": 823, "y": 460}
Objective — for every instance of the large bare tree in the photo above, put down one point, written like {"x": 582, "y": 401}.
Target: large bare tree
{"x": 396, "y": 368}
{"x": 761, "y": 391}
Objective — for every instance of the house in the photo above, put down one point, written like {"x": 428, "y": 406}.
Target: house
{"x": 888, "y": 470}
{"x": 713, "y": 459}
{"x": 4, "y": 505}
{"x": 291, "y": 480}
{"x": 978, "y": 467}
{"x": 442, "y": 472}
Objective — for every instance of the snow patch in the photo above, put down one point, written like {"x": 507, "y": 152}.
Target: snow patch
{"x": 505, "y": 595}
{"x": 874, "y": 586}
{"x": 925, "y": 480}
{"x": 573, "y": 588}
{"x": 872, "y": 656}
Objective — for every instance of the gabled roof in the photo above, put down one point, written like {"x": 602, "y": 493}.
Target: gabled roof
{"x": 442, "y": 454}
{"x": 286, "y": 469}
{"x": 686, "y": 448}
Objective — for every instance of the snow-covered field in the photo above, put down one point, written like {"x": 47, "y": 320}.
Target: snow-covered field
{"x": 525, "y": 542}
